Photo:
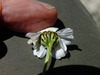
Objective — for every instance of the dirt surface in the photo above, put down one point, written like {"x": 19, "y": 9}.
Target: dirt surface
{"x": 93, "y": 6}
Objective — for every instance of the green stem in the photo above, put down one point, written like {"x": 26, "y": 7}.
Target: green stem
{"x": 47, "y": 58}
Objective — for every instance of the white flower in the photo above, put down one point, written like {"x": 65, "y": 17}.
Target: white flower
{"x": 59, "y": 50}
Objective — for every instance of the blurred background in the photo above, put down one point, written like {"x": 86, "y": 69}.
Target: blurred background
{"x": 93, "y": 7}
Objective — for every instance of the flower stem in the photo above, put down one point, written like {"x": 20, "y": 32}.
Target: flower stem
{"x": 47, "y": 58}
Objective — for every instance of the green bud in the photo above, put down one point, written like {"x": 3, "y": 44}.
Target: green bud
{"x": 48, "y": 38}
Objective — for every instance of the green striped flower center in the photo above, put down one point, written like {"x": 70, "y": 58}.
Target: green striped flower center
{"x": 48, "y": 38}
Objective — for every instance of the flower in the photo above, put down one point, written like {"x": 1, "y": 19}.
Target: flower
{"x": 59, "y": 49}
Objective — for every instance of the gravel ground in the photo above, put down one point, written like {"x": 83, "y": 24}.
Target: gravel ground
{"x": 93, "y": 7}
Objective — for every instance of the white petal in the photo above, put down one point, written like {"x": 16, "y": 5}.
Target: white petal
{"x": 36, "y": 45}
{"x": 40, "y": 53}
{"x": 62, "y": 44}
{"x": 35, "y": 52}
{"x": 33, "y": 36}
{"x": 65, "y": 30}
{"x": 66, "y": 33}
{"x": 30, "y": 41}
{"x": 59, "y": 51}
{"x": 50, "y": 29}
{"x": 29, "y": 35}
{"x": 67, "y": 42}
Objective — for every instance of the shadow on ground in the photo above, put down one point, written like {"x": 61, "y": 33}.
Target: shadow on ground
{"x": 5, "y": 35}
{"x": 74, "y": 70}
